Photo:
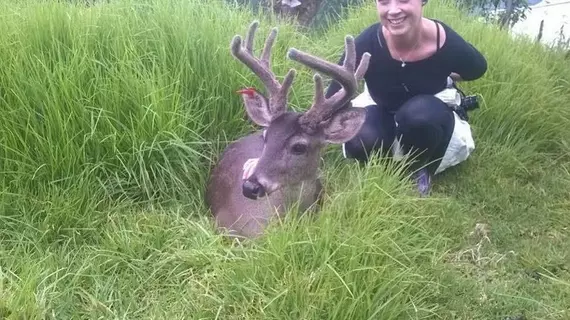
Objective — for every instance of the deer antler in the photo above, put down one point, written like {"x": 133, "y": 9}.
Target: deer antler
{"x": 262, "y": 67}
{"x": 346, "y": 75}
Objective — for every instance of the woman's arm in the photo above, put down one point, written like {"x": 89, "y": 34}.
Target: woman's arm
{"x": 467, "y": 63}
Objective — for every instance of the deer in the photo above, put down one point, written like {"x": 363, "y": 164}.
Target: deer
{"x": 287, "y": 147}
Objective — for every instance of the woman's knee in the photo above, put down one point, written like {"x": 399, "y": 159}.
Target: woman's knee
{"x": 363, "y": 145}
{"x": 425, "y": 124}
{"x": 423, "y": 111}
{"x": 375, "y": 134}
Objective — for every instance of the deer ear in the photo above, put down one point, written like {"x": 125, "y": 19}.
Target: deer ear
{"x": 257, "y": 106}
{"x": 344, "y": 125}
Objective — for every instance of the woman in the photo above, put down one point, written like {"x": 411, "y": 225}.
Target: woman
{"x": 414, "y": 60}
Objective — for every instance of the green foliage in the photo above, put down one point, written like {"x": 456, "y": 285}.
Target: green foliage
{"x": 120, "y": 93}
{"x": 113, "y": 113}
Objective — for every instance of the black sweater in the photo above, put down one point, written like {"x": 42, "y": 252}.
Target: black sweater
{"x": 391, "y": 85}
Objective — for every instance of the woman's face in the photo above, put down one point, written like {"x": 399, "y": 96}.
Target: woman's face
{"x": 400, "y": 17}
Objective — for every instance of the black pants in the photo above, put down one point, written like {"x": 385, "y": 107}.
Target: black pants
{"x": 424, "y": 126}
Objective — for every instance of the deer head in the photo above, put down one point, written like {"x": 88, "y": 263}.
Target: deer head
{"x": 292, "y": 141}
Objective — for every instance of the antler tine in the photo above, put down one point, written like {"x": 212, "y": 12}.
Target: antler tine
{"x": 261, "y": 67}
{"x": 346, "y": 75}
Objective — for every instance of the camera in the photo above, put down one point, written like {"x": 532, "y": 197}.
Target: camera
{"x": 469, "y": 103}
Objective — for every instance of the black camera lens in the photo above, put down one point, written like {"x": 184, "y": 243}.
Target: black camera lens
{"x": 470, "y": 103}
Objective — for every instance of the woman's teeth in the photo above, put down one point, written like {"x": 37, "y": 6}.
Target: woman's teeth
{"x": 396, "y": 21}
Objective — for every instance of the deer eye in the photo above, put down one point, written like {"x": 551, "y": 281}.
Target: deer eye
{"x": 299, "y": 148}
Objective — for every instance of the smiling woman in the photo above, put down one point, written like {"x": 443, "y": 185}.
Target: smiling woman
{"x": 415, "y": 61}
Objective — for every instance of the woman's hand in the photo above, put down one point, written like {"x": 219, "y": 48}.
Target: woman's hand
{"x": 455, "y": 77}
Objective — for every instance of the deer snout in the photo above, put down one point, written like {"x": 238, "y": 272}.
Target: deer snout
{"x": 252, "y": 189}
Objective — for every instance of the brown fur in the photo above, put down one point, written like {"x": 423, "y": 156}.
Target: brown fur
{"x": 289, "y": 147}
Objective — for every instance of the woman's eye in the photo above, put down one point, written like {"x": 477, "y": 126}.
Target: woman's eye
{"x": 299, "y": 148}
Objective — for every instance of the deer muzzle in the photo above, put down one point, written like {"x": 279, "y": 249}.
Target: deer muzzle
{"x": 252, "y": 189}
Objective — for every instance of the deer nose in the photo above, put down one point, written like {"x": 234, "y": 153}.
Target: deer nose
{"x": 252, "y": 189}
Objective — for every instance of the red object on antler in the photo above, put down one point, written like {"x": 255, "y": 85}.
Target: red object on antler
{"x": 248, "y": 91}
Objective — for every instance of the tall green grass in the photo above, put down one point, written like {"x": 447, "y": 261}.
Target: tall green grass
{"x": 113, "y": 113}
{"x": 128, "y": 93}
